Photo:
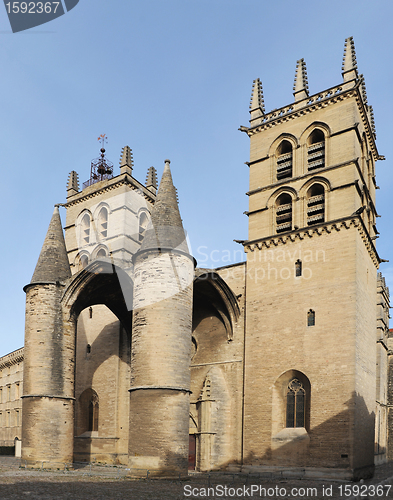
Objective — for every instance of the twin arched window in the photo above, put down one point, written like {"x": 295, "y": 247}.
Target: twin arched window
{"x": 315, "y": 154}
{"x": 315, "y": 199}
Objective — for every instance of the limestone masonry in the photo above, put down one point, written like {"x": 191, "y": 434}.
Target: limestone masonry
{"x": 134, "y": 355}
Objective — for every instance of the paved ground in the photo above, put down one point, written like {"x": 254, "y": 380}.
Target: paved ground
{"x": 111, "y": 483}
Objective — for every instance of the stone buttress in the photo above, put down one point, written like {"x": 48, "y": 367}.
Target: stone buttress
{"x": 161, "y": 342}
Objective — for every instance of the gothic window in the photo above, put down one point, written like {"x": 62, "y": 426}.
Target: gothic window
{"x": 143, "y": 220}
{"x": 296, "y": 396}
{"x": 283, "y": 213}
{"x": 315, "y": 204}
{"x": 82, "y": 262}
{"x": 85, "y": 229}
{"x": 101, "y": 253}
{"x": 284, "y": 160}
{"x": 311, "y": 318}
{"x": 298, "y": 268}
{"x": 103, "y": 223}
{"x": 93, "y": 413}
{"x": 316, "y": 150}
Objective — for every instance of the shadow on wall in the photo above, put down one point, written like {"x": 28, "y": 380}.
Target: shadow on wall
{"x": 328, "y": 445}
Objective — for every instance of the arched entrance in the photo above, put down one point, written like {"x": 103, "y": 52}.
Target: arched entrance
{"x": 96, "y": 303}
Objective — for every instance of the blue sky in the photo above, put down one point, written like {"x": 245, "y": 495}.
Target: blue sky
{"x": 171, "y": 79}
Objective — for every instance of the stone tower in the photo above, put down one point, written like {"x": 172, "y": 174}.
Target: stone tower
{"x": 161, "y": 341}
{"x": 311, "y": 278}
{"x": 48, "y": 400}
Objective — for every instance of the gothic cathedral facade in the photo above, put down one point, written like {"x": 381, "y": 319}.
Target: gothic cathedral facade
{"x": 133, "y": 355}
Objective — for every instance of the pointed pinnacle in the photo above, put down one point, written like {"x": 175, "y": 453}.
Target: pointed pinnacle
{"x": 151, "y": 178}
{"x": 53, "y": 265}
{"x": 73, "y": 181}
{"x": 300, "y": 85}
{"x": 165, "y": 229}
{"x": 126, "y": 159}
{"x": 257, "y": 101}
{"x": 349, "y": 59}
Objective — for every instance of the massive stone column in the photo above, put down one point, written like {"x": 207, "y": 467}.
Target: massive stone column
{"x": 48, "y": 374}
{"x": 161, "y": 342}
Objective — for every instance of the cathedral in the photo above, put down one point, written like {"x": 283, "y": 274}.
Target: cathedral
{"x": 134, "y": 355}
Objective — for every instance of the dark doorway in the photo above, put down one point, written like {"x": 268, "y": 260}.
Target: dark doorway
{"x": 192, "y": 452}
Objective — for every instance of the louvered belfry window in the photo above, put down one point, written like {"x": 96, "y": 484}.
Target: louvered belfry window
{"x": 284, "y": 160}
{"x": 284, "y": 213}
{"x": 316, "y": 150}
{"x": 315, "y": 204}
{"x": 296, "y": 396}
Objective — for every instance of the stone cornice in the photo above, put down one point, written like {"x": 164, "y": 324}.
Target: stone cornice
{"x": 316, "y": 230}
{"x": 12, "y": 358}
{"x": 312, "y": 103}
{"x": 123, "y": 179}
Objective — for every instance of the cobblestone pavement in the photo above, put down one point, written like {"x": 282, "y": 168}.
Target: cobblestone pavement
{"x": 94, "y": 482}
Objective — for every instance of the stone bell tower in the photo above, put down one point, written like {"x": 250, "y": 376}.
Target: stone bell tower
{"x": 161, "y": 341}
{"x": 312, "y": 269}
{"x": 48, "y": 399}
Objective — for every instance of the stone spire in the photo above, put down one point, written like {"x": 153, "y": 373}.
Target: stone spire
{"x": 73, "y": 184}
{"x": 151, "y": 180}
{"x": 165, "y": 229}
{"x": 53, "y": 265}
{"x": 257, "y": 105}
{"x": 300, "y": 86}
{"x": 126, "y": 161}
{"x": 349, "y": 66}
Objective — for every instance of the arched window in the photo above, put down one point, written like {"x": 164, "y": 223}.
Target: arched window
{"x": 315, "y": 204}
{"x": 143, "y": 221}
{"x": 103, "y": 223}
{"x": 298, "y": 268}
{"x": 85, "y": 229}
{"x": 296, "y": 404}
{"x": 316, "y": 150}
{"x": 284, "y": 213}
{"x": 311, "y": 318}
{"x": 284, "y": 160}
{"x": 101, "y": 254}
{"x": 82, "y": 261}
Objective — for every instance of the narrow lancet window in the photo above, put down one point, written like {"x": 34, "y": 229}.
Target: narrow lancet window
{"x": 311, "y": 318}
{"x": 316, "y": 150}
{"x": 298, "y": 268}
{"x": 143, "y": 220}
{"x": 85, "y": 229}
{"x": 315, "y": 204}
{"x": 284, "y": 160}
{"x": 103, "y": 223}
{"x": 284, "y": 213}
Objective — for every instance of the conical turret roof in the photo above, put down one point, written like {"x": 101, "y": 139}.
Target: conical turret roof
{"x": 165, "y": 229}
{"x": 53, "y": 262}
